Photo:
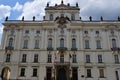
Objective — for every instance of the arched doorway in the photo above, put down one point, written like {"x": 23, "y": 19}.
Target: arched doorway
{"x": 61, "y": 74}
{"x": 5, "y": 74}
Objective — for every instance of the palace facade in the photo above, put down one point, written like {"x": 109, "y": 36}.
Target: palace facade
{"x": 60, "y": 47}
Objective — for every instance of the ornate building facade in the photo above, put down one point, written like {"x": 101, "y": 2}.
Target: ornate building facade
{"x": 60, "y": 47}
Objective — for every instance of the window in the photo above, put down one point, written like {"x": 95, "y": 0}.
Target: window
{"x": 50, "y": 43}
{"x": 74, "y": 58}
{"x": 112, "y": 32}
{"x": 10, "y": 42}
{"x": 114, "y": 43}
{"x": 8, "y": 57}
{"x": 24, "y": 57}
{"x": 117, "y": 75}
{"x": 25, "y": 46}
{"x": 51, "y": 17}
{"x": 35, "y": 57}
{"x": 87, "y": 58}
{"x": 116, "y": 58}
{"x": 73, "y": 43}
{"x": 62, "y": 58}
{"x": 62, "y": 15}
{"x": 99, "y": 58}
{"x": 34, "y": 72}
{"x": 89, "y": 73}
{"x": 36, "y": 44}
{"x": 98, "y": 44}
{"x": 22, "y": 73}
{"x": 12, "y": 31}
{"x": 27, "y": 31}
{"x": 37, "y": 31}
{"x": 87, "y": 44}
{"x": 62, "y": 42}
{"x": 97, "y": 32}
{"x": 86, "y": 32}
{"x": 72, "y": 17}
{"x": 101, "y": 72}
{"x": 49, "y": 58}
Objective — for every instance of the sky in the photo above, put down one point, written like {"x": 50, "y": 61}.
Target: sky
{"x": 15, "y": 9}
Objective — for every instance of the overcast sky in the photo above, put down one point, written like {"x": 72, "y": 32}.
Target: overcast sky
{"x": 15, "y": 9}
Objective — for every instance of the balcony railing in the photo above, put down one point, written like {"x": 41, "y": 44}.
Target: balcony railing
{"x": 62, "y": 48}
{"x": 9, "y": 48}
{"x": 49, "y": 48}
{"x": 61, "y": 63}
{"x": 115, "y": 49}
{"x": 73, "y": 49}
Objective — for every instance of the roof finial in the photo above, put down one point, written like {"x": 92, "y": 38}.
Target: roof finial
{"x": 62, "y": 2}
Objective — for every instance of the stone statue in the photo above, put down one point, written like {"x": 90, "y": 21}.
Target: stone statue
{"x": 101, "y": 18}
{"x": 90, "y": 18}
{"x": 23, "y": 18}
{"x": 6, "y": 18}
{"x": 33, "y": 18}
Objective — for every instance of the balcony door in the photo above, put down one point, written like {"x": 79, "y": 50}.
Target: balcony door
{"x": 61, "y": 74}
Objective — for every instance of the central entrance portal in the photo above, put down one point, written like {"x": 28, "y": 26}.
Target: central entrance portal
{"x": 62, "y": 74}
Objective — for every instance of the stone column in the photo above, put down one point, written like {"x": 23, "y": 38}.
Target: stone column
{"x": 4, "y": 36}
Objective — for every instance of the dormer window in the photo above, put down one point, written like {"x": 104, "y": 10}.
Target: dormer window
{"x": 51, "y": 17}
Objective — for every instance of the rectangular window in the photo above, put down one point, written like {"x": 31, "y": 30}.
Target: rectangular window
{"x": 116, "y": 58}
{"x": 99, "y": 58}
{"x": 27, "y": 31}
{"x": 49, "y": 58}
{"x": 8, "y": 57}
{"x": 36, "y": 58}
{"x": 22, "y": 73}
{"x": 98, "y": 44}
{"x": 50, "y": 43}
{"x": 25, "y": 45}
{"x": 36, "y": 44}
{"x": 101, "y": 72}
{"x": 73, "y": 43}
{"x": 24, "y": 57}
{"x": 34, "y": 72}
{"x": 74, "y": 58}
{"x": 62, "y": 58}
{"x": 37, "y": 31}
{"x": 89, "y": 73}
{"x": 117, "y": 75}
{"x": 87, "y": 58}
{"x": 87, "y": 44}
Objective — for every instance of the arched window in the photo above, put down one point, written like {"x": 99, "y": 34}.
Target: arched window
{"x": 49, "y": 42}
{"x": 114, "y": 43}
{"x": 72, "y": 17}
{"x": 61, "y": 42}
{"x": 51, "y": 17}
{"x": 73, "y": 43}
{"x": 10, "y": 42}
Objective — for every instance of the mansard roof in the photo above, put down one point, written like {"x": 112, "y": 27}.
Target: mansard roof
{"x": 62, "y": 6}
